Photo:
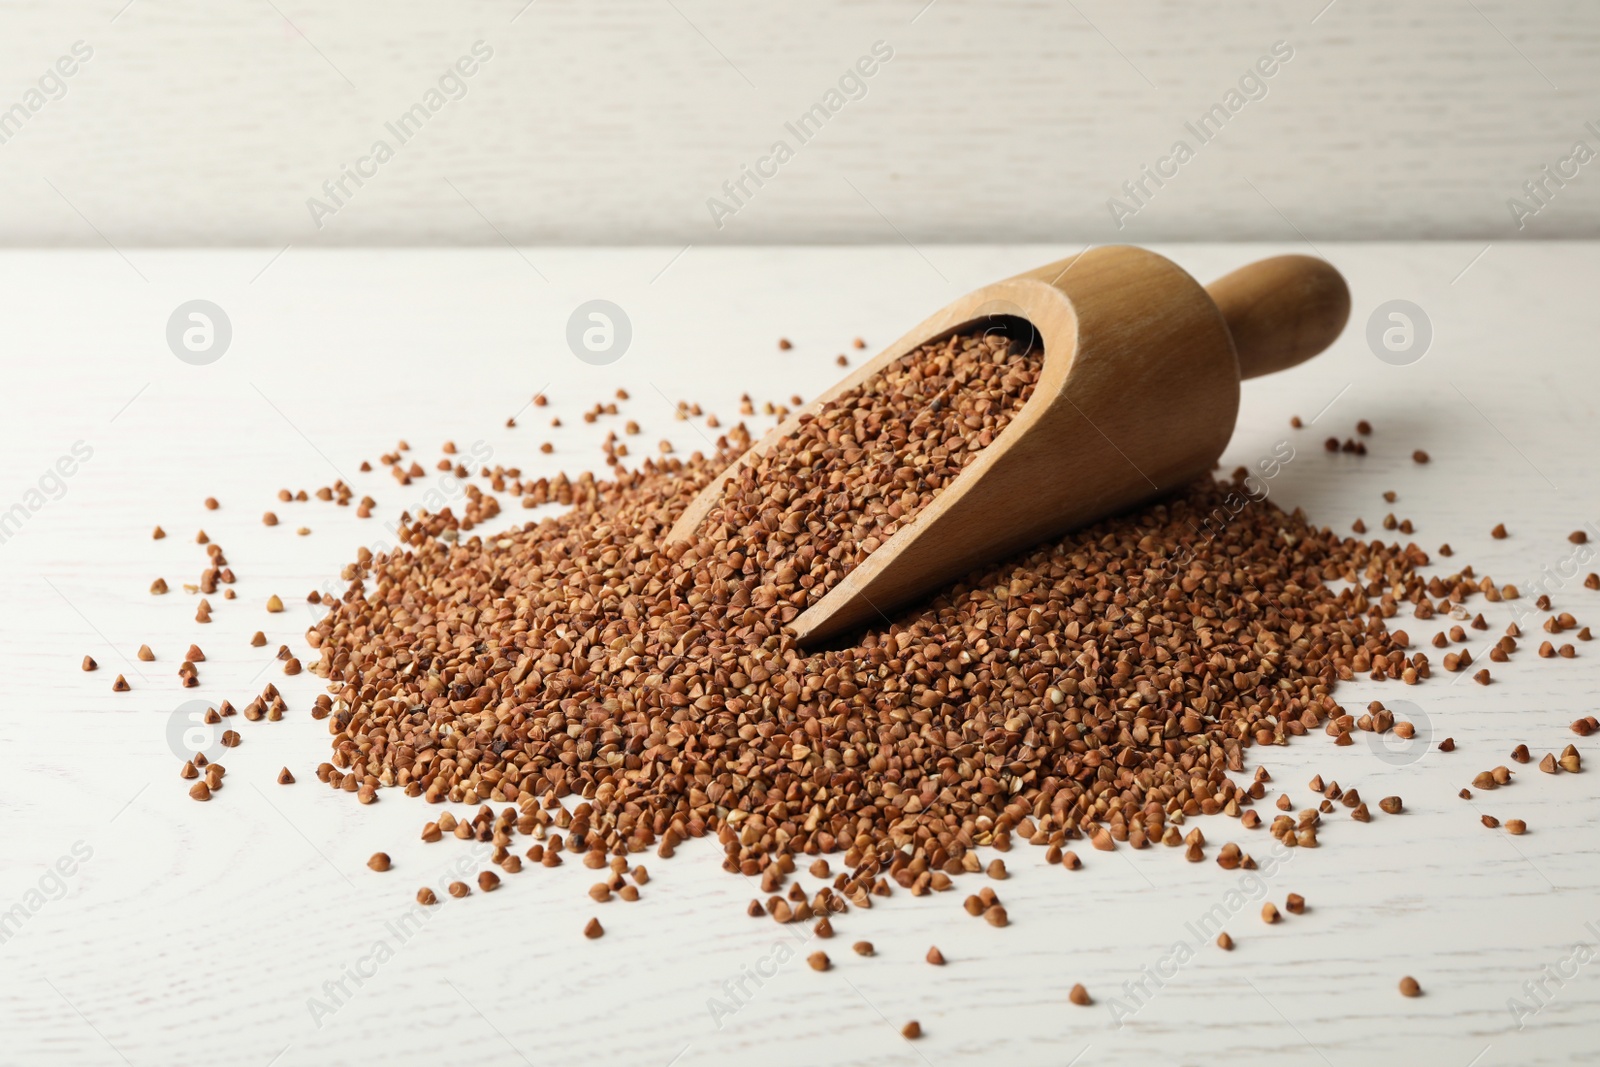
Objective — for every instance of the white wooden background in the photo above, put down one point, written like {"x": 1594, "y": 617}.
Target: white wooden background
{"x": 199, "y": 933}
{"x": 612, "y": 123}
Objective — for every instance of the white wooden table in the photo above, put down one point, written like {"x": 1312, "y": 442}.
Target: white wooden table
{"x": 218, "y": 933}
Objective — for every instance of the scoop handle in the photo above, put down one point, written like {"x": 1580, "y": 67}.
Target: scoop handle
{"x": 1281, "y": 311}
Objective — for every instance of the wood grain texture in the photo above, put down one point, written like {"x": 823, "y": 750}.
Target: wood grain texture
{"x": 204, "y": 931}
{"x": 1011, "y": 120}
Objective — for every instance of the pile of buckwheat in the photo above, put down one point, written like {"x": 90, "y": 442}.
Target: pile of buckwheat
{"x": 1091, "y": 688}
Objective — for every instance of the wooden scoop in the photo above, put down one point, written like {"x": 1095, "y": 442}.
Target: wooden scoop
{"x": 1137, "y": 396}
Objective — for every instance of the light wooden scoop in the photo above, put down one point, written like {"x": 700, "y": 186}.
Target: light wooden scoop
{"x": 1137, "y": 396}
